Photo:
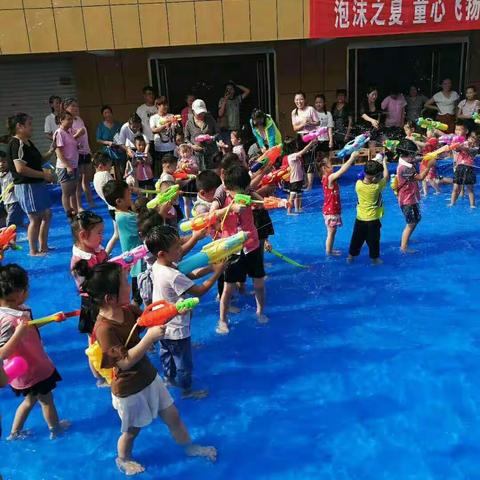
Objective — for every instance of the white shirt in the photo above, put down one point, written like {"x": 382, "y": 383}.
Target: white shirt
{"x": 145, "y": 112}
{"x": 468, "y": 109}
{"x": 164, "y": 141}
{"x": 170, "y": 285}
{"x": 50, "y": 124}
{"x": 308, "y": 113}
{"x": 127, "y": 137}
{"x": 326, "y": 120}
{"x": 99, "y": 181}
{"x": 446, "y": 106}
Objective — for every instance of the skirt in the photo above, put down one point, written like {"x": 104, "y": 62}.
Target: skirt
{"x": 33, "y": 197}
{"x": 140, "y": 409}
{"x": 41, "y": 388}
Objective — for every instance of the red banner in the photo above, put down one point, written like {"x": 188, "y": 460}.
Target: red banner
{"x": 355, "y": 18}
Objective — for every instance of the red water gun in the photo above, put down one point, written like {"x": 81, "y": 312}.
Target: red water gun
{"x": 274, "y": 178}
{"x": 270, "y": 203}
{"x": 161, "y": 312}
{"x": 184, "y": 176}
{"x": 268, "y": 158}
{"x": 8, "y": 237}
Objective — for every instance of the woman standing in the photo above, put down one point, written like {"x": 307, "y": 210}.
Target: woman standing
{"x": 187, "y": 112}
{"x": 107, "y": 135}
{"x": 202, "y": 123}
{"x": 305, "y": 119}
{"x": 30, "y": 180}
{"x": 342, "y": 119}
{"x": 415, "y": 104}
{"x": 445, "y": 103}
{"x": 85, "y": 167}
{"x": 468, "y": 106}
{"x": 51, "y": 119}
{"x": 67, "y": 163}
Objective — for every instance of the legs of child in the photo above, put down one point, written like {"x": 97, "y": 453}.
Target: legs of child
{"x": 291, "y": 200}
{"x": 259, "y": 287}
{"x": 298, "y": 203}
{"x": 69, "y": 198}
{"x": 462, "y": 191}
{"x": 187, "y": 205}
{"x": 471, "y": 196}
{"x": 225, "y": 299}
{"x": 425, "y": 187}
{"x": 124, "y": 460}
{"x": 434, "y": 184}
{"x": 455, "y": 193}
{"x": 310, "y": 178}
{"x": 21, "y": 415}
{"x": 84, "y": 174}
{"x": 407, "y": 233}
{"x": 329, "y": 250}
{"x": 50, "y": 415}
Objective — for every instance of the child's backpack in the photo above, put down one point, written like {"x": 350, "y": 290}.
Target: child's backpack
{"x": 94, "y": 354}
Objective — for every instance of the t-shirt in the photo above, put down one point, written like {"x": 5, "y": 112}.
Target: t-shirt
{"x": 446, "y": 105}
{"x": 331, "y": 197}
{"x": 29, "y": 347}
{"x": 308, "y": 113}
{"x": 112, "y": 335}
{"x": 171, "y": 285}
{"x": 240, "y": 151}
{"x": 395, "y": 108}
{"x": 469, "y": 108}
{"x": 107, "y": 134}
{"x": 26, "y": 153}
{"x": 200, "y": 206}
{"x": 415, "y": 106}
{"x": 145, "y": 112}
{"x": 165, "y": 140}
{"x": 340, "y": 118}
{"x": 370, "y": 202}
{"x": 68, "y": 143}
{"x": 100, "y": 179}
{"x": 8, "y": 193}
{"x": 126, "y": 136}
{"x": 99, "y": 256}
{"x": 296, "y": 167}
{"x": 143, "y": 168}
{"x": 326, "y": 120}
{"x": 166, "y": 177}
{"x": 408, "y": 190}
{"x": 231, "y": 116}
{"x": 50, "y": 124}
{"x": 188, "y": 165}
{"x": 463, "y": 157}
{"x": 82, "y": 141}
{"x": 186, "y": 114}
{"x": 129, "y": 238}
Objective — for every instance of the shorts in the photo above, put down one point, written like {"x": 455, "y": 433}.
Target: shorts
{"x": 65, "y": 177}
{"x": 333, "y": 221}
{"x": 464, "y": 175}
{"x": 411, "y": 213}
{"x": 296, "y": 187}
{"x": 112, "y": 214}
{"x": 84, "y": 159}
{"x": 309, "y": 162}
{"x": 263, "y": 223}
{"x": 250, "y": 264}
{"x": 140, "y": 409}
{"x": 33, "y": 197}
{"x": 322, "y": 147}
{"x": 15, "y": 214}
{"x": 41, "y": 388}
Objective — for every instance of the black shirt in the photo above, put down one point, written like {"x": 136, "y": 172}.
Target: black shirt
{"x": 27, "y": 153}
{"x": 340, "y": 118}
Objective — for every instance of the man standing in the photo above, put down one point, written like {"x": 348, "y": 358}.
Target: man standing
{"x": 229, "y": 109}
{"x": 145, "y": 111}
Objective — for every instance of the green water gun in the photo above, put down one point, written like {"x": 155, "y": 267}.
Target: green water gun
{"x": 164, "y": 197}
{"x": 391, "y": 145}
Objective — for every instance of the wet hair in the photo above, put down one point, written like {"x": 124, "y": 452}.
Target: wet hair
{"x": 406, "y": 147}
{"x": 139, "y": 139}
{"x": 114, "y": 190}
{"x": 101, "y": 280}
{"x": 134, "y": 118}
{"x": 373, "y": 168}
{"x": 169, "y": 159}
{"x": 85, "y": 220}
{"x": 146, "y": 220}
{"x": 258, "y": 116}
{"x": 237, "y": 178}
{"x": 100, "y": 158}
{"x": 341, "y": 91}
{"x": 208, "y": 180}
{"x": 148, "y": 88}
{"x": 106, "y": 107}
{"x": 160, "y": 239}
{"x": 63, "y": 115}
{"x": 229, "y": 160}
{"x": 322, "y": 96}
{"x": 290, "y": 145}
{"x": 13, "y": 278}
{"x": 17, "y": 119}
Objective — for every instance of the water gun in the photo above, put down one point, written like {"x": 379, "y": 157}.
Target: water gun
{"x": 394, "y": 184}
{"x": 446, "y": 148}
{"x": 140, "y": 155}
{"x": 15, "y": 367}
{"x": 476, "y": 117}
{"x": 205, "y": 138}
{"x": 199, "y": 223}
{"x": 391, "y": 145}
{"x": 287, "y": 259}
{"x": 429, "y": 123}
{"x": 268, "y": 158}
{"x": 214, "y": 252}
{"x": 128, "y": 259}
{"x": 184, "y": 176}
{"x": 8, "y": 237}
{"x": 274, "y": 178}
{"x": 354, "y": 145}
{"x": 56, "y": 317}
{"x": 163, "y": 197}
{"x": 161, "y": 312}
{"x": 451, "y": 138}
{"x": 418, "y": 137}
{"x": 6, "y": 191}
{"x": 270, "y": 203}
{"x": 314, "y": 134}
{"x": 170, "y": 120}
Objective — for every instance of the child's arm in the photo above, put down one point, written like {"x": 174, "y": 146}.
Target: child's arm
{"x": 308, "y": 147}
{"x": 199, "y": 290}
{"x": 13, "y": 338}
{"x": 192, "y": 240}
{"x": 386, "y": 175}
{"x": 343, "y": 169}
{"x": 419, "y": 177}
{"x": 79, "y": 133}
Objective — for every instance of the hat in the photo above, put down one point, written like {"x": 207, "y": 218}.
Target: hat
{"x": 198, "y": 106}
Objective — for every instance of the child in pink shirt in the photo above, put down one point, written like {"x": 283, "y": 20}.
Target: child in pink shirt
{"x": 18, "y": 339}
{"x": 187, "y": 163}
{"x": 237, "y": 146}
{"x": 142, "y": 163}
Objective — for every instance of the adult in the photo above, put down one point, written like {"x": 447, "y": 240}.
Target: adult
{"x": 51, "y": 120}
{"x": 67, "y": 162}
{"x": 342, "y": 119}
{"x": 202, "y": 123}
{"x": 394, "y": 107}
{"x": 445, "y": 103}
{"x": 266, "y": 133}
{"x": 85, "y": 166}
{"x": 30, "y": 180}
{"x": 107, "y": 135}
{"x": 163, "y": 126}
{"x": 468, "y": 106}
{"x": 145, "y": 111}
{"x": 305, "y": 119}
{"x": 371, "y": 115}
{"x": 128, "y": 132}
{"x": 415, "y": 103}
{"x": 187, "y": 112}
{"x": 325, "y": 141}
{"x": 229, "y": 109}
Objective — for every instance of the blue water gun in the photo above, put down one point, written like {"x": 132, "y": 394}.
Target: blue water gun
{"x": 356, "y": 144}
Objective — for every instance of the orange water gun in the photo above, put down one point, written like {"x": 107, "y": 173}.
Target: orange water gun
{"x": 8, "y": 237}
{"x": 199, "y": 223}
{"x": 270, "y": 203}
{"x": 268, "y": 158}
{"x": 434, "y": 155}
{"x": 184, "y": 176}
{"x": 170, "y": 120}
{"x": 274, "y": 178}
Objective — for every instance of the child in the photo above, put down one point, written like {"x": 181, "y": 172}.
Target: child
{"x": 325, "y": 142}
{"x": 464, "y": 171}
{"x": 187, "y": 163}
{"x": 103, "y": 166}
{"x": 431, "y": 144}
{"x": 369, "y": 211}
{"x": 250, "y": 261}
{"x": 12, "y": 207}
{"x": 169, "y": 165}
{"x": 294, "y": 159}
{"x": 237, "y": 145}
{"x": 142, "y": 164}
{"x": 207, "y": 183}
{"x": 17, "y": 338}
{"x": 332, "y": 209}
{"x": 407, "y": 189}
{"x": 179, "y": 140}
{"x": 169, "y": 284}
{"x": 138, "y": 394}
{"x": 117, "y": 194}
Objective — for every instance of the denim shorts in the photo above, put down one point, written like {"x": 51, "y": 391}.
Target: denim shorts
{"x": 65, "y": 177}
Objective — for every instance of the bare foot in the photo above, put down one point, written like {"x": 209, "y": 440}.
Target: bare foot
{"x": 222, "y": 328}
{"x": 334, "y": 253}
{"x": 102, "y": 383}
{"x": 20, "y": 435}
{"x": 377, "y": 261}
{"x": 129, "y": 467}
{"x": 37, "y": 254}
{"x": 408, "y": 250}
{"x": 473, "y": 206}
{"x": 262, "y": 318}
{"x": 193, "y": 450}
{"x": 60, "y": 429}
{"x": 292, "y": 213}
{"x": 194, "y": 394}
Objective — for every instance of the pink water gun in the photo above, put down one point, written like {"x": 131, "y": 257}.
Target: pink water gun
{"x": 205, "y": 138}
{"x": 129, "y": 259}
{"x": 451, "y": 138}
{"x": 318, "y": 132}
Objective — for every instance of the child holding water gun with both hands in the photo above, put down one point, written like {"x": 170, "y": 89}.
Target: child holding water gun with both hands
{"x": 369, "y": 211}
{"x": 138, "y": 393}
{"x": 332, "y": 209}
{"x": 142, "y": 163}
{"x": 187, "y": 163}
{"x": 17, "y": 338}
{"x": 171, "y": 285}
